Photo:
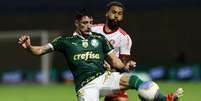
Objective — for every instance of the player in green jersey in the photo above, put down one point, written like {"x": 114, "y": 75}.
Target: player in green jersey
{"x": 85, "y": 53}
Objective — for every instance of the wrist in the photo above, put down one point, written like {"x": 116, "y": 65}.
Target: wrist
{"x": 29, "y": 47}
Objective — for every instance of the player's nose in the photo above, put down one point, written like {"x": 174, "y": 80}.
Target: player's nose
{"x": 89, "y": 25}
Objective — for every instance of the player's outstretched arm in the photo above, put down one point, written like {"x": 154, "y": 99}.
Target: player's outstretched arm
{"x": 25, "y": 42}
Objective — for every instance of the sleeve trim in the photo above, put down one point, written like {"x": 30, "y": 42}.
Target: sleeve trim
{"x": 110, "y": 51}
{"x": 51, "y": 46}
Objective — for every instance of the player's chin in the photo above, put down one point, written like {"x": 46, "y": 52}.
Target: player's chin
{"x": 115, "y": 23}
{"x": 86, "y": 32}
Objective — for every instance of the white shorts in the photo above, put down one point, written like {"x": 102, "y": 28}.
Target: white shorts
{"x": 106, "y": 84}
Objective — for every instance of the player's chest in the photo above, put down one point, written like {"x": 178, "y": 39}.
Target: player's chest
{"x": 114, "y": 39}
{"x": 79, "y": 45}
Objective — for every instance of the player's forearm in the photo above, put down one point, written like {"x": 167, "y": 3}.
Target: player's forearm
{"x": 35, "y": 50}
{"x": 115, "y": 61}
{"x": 118, "y": 64}
{"x": 39, "y": 50}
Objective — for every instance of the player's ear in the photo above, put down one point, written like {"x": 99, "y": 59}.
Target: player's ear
{"x": 106, "y": 14}
{"x": 76, "y": 23}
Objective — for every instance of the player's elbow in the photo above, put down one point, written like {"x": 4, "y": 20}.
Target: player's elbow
{"x": 37, "y": 52}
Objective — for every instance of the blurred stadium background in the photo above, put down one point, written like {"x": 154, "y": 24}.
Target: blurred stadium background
{"x": 166, "y": 45}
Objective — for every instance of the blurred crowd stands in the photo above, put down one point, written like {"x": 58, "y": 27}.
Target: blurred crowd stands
{"x": 177, "y": 72}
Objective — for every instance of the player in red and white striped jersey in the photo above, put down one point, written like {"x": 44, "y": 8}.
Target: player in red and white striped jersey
{"x": 118, "y": 38}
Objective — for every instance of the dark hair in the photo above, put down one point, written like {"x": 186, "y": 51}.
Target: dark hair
{"x": 114, "y": 3}
{"x": 81, "y": 13}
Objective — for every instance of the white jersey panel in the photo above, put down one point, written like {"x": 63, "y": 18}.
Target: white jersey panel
{"x": 120, "y": 40}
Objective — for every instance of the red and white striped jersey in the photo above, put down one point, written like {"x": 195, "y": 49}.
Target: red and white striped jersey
{"x": 120, "y": 40}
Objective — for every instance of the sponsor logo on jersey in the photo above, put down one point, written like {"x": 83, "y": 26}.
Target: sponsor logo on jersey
{"x": 94, "y": 42}
{"x": 86, "y": 56}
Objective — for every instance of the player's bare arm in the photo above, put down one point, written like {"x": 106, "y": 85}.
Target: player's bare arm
{"x": 118, "y": 64}
{"x": 25, "y": 42}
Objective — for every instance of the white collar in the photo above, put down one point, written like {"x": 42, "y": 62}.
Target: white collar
{"x": 77, "y": 34}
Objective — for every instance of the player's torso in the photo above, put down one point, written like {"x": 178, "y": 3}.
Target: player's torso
{"x": 78, "y": 51}
{"x": 85, "y": 58}
{"x": 114, "y": 38}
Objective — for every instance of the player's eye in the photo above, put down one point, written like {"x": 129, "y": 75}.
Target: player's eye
{"x": 85, "y": 22}
{"x": 113, "y": 11}
{"x": 120, "y": 13}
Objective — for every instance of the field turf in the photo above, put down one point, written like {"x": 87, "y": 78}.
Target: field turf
{"x": 65, "y": 92}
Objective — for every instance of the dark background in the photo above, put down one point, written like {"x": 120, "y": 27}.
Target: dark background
{"x": 163, "y": 31}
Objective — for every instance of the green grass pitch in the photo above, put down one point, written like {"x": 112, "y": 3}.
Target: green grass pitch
{"x": 65, "y": 92}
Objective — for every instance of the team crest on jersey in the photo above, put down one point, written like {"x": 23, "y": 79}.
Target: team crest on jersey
{"x": 85, "y": 43}
{"x": 94, "y": 42}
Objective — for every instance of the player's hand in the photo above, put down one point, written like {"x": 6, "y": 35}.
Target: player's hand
{"x": 130, "y": 65}
{"x": 24, "y": 41}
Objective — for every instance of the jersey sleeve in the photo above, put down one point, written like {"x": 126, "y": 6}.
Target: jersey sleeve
{"x": 107, "y": 47}
{"x": 57, "y": 44}
{"x": 93, "y": 28}
{"x": 126, "y": 44}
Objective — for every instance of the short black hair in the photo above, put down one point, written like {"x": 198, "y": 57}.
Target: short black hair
{"x": 114, "y": 3}
{"x": 81, "y": 13}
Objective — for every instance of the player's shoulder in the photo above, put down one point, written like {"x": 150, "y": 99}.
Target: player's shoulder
{"x": 98, "y": 24}
{"x": 125, "y": 35}
{"x": 97, "y": 35}
{"x": 123, "y": 32}
{"x": 63, "y": 36}
{"x": 58, "y": 38}
{"x": 66, "y": 36}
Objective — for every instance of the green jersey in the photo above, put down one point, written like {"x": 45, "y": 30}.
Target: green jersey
{"x": 85, "y": 56}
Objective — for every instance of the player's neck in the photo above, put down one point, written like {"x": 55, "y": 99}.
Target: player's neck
{"x": 82, "y": 34}
{"x": 109, "y": 29}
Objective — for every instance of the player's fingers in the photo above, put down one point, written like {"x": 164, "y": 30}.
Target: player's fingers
{"x": 22, "y": 39}
{"x": 19, "y": 42}
{"x": 24, "y": 46}
{"x": 28, "y": 37}
{"x": 19, "y": 39}
{"x": 132, "y": 63}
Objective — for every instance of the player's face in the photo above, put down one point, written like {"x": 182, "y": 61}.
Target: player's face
{"x": 84, "y": 24}
{"x": 115, "y": 14}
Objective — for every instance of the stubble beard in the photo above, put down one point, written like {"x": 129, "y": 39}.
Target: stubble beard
{"x": 113, "y": 24}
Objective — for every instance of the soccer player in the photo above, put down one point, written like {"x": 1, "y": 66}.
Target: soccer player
{"x": 120, "y": 40}
{"x": 85, "y": 53}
